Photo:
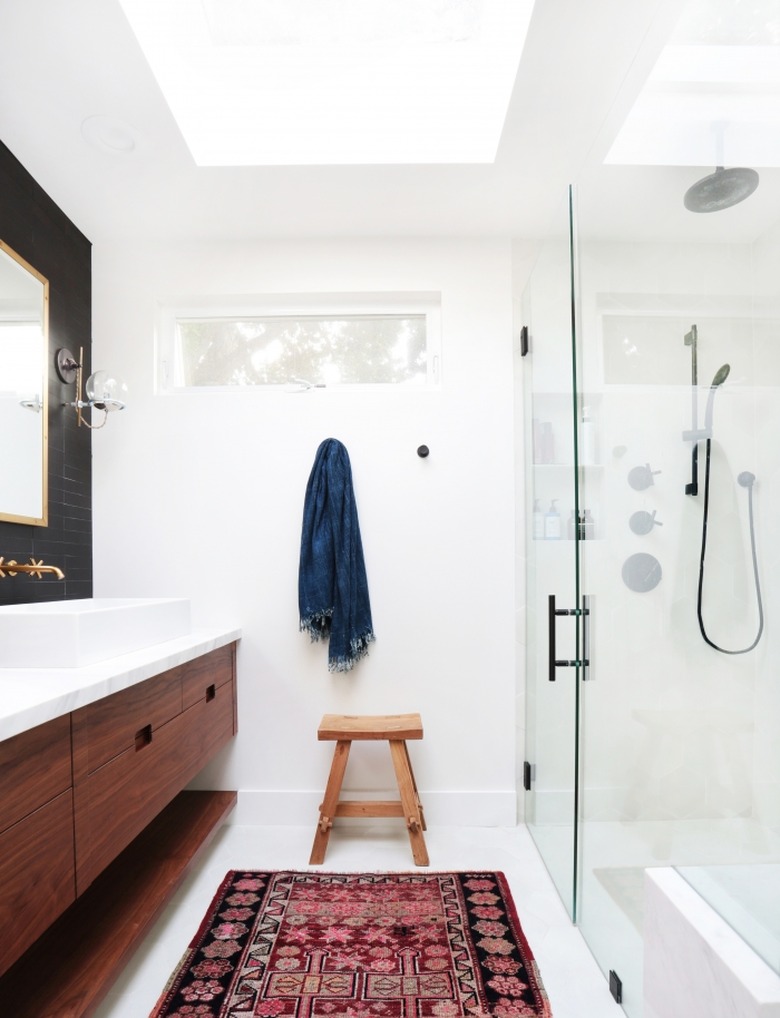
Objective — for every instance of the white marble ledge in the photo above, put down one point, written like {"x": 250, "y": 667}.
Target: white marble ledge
{"x": 32, "y": 696}
{"x": 695, "y": 964}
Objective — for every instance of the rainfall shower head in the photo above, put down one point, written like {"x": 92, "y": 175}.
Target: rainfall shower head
{"x": 720, "y": 377}
{"x": 721, "y": 189}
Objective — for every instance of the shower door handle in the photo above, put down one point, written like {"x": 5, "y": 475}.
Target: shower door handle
{"x": 587, "y": 658}
{"x": 555, "y": 662}
{"x": 552, "y": 613}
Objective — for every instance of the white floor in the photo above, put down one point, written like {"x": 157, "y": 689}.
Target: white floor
{"x": 575, "y": 985}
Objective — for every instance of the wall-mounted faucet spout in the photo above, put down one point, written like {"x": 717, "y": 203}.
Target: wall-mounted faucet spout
{"x": 32, "y": 568}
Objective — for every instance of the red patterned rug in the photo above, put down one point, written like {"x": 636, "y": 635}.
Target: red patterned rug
{"x": 358, "y": 945}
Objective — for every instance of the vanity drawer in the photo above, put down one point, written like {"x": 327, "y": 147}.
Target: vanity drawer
{"x": 115, "y": 802}
{"x": 124, "y": 721}
{"x": 211, "y": 724}
{"x": 36, "y": 886}
{"x": 34, "y": 768}
{"x": 201, "y": 676}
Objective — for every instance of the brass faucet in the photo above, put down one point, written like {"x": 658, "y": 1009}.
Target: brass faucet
{"x": 32, "y": 568}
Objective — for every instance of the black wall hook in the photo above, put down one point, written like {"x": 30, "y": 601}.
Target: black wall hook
{"x": 422, "y": 451}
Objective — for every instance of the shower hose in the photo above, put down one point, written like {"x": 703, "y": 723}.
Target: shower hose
{"x": 746, "y": 480}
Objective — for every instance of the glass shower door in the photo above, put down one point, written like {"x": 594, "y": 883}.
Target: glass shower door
{"x": 552, "y": 587}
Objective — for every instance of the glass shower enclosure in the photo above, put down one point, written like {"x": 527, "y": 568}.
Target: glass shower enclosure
{"x": 652, "y": 491}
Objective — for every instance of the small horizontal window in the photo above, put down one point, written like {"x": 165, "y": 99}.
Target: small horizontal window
{"x": 217, "y": 349}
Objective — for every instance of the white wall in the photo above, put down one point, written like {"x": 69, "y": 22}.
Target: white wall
{"x": 201, "y": 495}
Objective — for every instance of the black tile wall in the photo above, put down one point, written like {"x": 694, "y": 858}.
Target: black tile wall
{"x": 42, "y": 234}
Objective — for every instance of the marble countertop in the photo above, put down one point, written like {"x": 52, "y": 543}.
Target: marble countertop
{"x": 32, "y": 696}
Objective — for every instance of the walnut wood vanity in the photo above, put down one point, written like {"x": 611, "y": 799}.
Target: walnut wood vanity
{"x": 97, "y": 832}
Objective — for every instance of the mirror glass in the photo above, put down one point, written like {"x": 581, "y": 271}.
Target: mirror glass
{"x": 24, "y": 305}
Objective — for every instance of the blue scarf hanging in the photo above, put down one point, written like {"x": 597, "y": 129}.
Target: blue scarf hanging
{"x": 332, "y": 585}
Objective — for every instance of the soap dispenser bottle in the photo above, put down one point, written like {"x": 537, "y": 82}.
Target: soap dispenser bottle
{"x": 552, "y": 523}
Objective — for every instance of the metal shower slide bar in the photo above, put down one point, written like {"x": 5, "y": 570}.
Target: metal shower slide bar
{"x": 692, "y": 340}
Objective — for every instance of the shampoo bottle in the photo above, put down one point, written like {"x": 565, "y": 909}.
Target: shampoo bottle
{"x": 552, "y": 523}
{"x": 588, "y": 443}
{"x": 538, "y": 521}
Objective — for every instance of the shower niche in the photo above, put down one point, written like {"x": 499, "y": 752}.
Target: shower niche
{"x": 555, "y": 458}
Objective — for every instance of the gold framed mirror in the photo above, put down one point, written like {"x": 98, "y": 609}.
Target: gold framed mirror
{"x": 24, "y": 344}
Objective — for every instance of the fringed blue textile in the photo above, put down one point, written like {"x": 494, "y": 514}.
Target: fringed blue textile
{"x": 332, "y": 585}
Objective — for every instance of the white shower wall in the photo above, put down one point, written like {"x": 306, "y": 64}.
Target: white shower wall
{"x": 200, "y": 495}
{"x": 674, "y": 730}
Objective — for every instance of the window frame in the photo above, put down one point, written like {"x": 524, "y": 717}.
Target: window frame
{"x": 407, "y": 303}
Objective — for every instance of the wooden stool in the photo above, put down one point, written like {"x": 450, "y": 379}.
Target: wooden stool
{"x": 396, "y": 729}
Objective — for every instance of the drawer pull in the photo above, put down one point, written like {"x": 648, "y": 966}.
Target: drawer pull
{"x": 211, "y": 692}
{"x": 143, "y": 737}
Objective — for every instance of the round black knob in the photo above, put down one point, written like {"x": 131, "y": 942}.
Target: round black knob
{"x": 423, "y": 451}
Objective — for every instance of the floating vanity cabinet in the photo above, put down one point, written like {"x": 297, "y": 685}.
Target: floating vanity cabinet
{"x": 36, "y": 809}
{"x": 134, "y": 751}
{"x": 98, "y": 829}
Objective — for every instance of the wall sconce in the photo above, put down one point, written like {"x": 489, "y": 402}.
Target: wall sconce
{"x": 102, "y": 389}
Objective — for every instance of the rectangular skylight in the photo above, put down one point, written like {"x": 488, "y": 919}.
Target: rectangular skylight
{"x": 326, "y": 82}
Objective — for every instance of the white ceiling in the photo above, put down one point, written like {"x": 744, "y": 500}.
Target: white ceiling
{"x": 584, "y": 63}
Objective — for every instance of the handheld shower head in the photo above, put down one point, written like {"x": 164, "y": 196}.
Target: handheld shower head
{"x": 720, "y": 377}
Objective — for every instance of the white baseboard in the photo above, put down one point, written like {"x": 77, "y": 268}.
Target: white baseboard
{"x": 257, "y": 808}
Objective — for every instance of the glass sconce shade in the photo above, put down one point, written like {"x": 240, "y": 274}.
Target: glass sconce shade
{"x": 105, "y": 392}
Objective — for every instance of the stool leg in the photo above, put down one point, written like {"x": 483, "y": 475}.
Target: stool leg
{"x": 330, "y": 801}
{"x": 409, "y": 800}
{"x": 414, "y": 785}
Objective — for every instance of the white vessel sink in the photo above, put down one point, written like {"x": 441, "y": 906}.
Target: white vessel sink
{"x": 69, "y": 634}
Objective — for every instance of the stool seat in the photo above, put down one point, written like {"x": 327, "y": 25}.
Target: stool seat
{"x": 370, "y": 726}
{"x": 395, "y": 729}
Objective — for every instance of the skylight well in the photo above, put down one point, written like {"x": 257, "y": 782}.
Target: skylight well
{"x": 318, "y": 82}
{"x": 713, "y": 97}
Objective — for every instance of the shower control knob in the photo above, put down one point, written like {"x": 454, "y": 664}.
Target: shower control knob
{"x": 640, "y": 478}
{"x": 642, "y": 573}
{"x": 642, "y": 522}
